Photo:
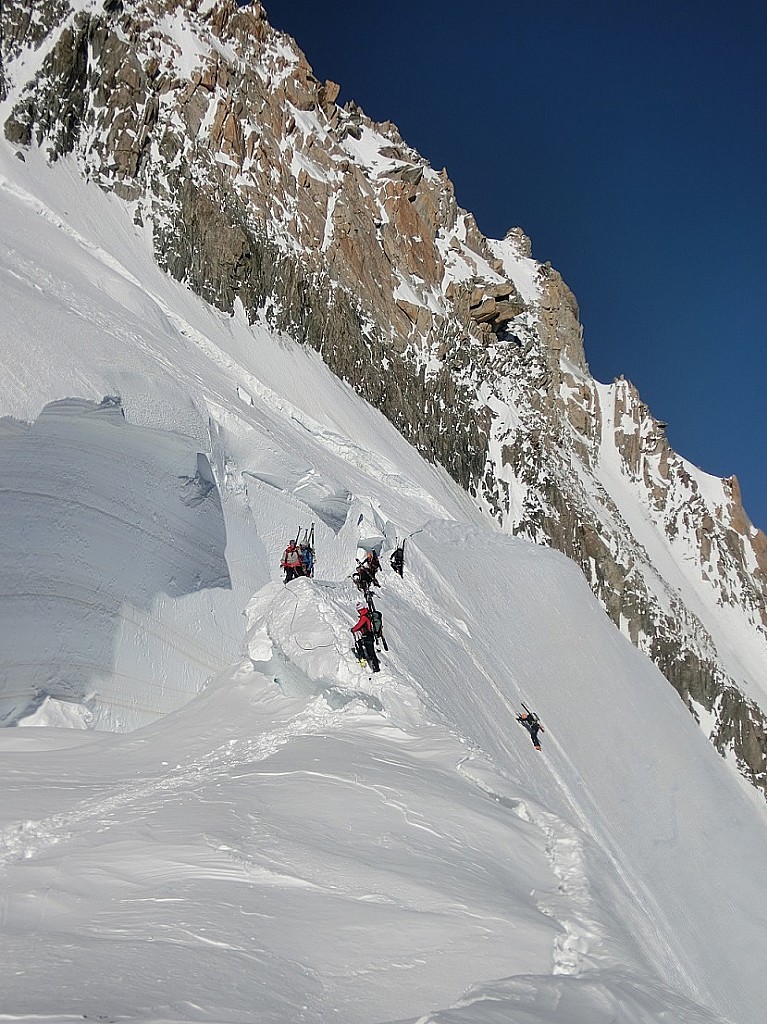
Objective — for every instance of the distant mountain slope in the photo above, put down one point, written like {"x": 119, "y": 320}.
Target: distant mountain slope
{"x": 260, "y": 190}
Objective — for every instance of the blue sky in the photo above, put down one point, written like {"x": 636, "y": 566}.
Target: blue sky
{"x": 629, "y": 142}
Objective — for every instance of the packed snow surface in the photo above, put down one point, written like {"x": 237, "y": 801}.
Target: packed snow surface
{"x": 219, "y": 815}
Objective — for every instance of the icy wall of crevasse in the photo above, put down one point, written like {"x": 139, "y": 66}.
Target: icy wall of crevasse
{"x": 259, "y": 188}
{"x": 113, "y": 548}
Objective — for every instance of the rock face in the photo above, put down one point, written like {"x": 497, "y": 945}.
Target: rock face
{"x": 261, "y": 190}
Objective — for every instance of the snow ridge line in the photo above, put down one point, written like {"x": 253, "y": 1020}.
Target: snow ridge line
{"x": 654, "y": 943}
{"x": 565, "y": 853}
{"x": 27, "y": 839}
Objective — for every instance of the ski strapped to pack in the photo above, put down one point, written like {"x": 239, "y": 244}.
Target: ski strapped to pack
{"x": 306, "y": 548}
{"x": 532, "y": 723}
{"x": 376, "y": 621}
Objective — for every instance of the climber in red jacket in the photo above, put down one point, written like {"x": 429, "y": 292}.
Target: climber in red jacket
{"x": 291, "y": 562}
{"x": 365, "y": 642}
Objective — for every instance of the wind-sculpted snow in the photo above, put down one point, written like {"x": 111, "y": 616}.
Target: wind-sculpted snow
{"x": 299, "y": 840}
{"x": 106, "y": 527}
{"x": 608, "y": 997}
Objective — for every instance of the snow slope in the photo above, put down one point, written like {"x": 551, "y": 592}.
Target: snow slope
{"x": 259, "y": 830}
{"x": 738, "y": 640}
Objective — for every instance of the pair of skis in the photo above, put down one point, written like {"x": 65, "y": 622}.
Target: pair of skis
{"x": 308, "y": 543}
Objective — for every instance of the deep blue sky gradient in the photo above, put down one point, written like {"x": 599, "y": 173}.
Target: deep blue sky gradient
{"x": 629, "y": 141}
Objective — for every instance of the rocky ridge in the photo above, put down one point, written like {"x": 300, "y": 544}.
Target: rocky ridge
{"x": 261, "y": 190}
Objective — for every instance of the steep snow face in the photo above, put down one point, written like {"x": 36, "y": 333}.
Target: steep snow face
{"x": 301, "y": 837}
{"x": 668, "y": 550}
{"x": 270, "y": 199}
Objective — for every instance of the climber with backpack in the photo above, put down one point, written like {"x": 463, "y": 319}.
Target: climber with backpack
{"x": 397, "y": 560}
{"x": 365, "y": 575}
{"x": 364, "y": 638}
{"x": 291, "y": 562}
{"x": 307, "y": 559}
{"x": 533, "y": 725}
{"x": 376, "y": 622}
{"x": 306, "y": 550}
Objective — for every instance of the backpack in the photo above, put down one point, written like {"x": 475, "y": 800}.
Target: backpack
{"x": 376, "y": 621}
